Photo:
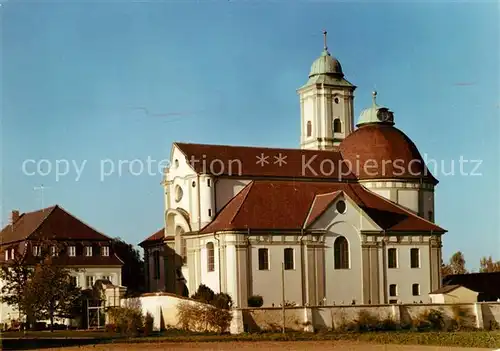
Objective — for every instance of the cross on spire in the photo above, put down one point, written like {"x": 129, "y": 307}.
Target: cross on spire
{"x": 324, "y": 38}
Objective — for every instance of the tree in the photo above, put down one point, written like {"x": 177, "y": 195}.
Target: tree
{"x": 133, "y": 266}
{"x": 54, "y": 294}
{"x": 15, "y": 276}
{"x": 487, "y": 265}
{"x": 456, "y": 265}
{"x": 37, "y": 286}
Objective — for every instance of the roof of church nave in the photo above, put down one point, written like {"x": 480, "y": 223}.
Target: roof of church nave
{"x": 391, "y": 150}
{"x": 293, "y": 205}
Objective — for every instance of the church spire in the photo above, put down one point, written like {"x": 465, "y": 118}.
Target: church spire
{"x": 324, "y": 38}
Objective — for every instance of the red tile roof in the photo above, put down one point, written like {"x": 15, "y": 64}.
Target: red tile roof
{"x": 282, "y": 205}
{"x": 384, "y": 152}
{"x": 242, "y": 161}
{"x": 50, "y": 223}
{"x": 320, "y": 204}
{"x": 157, "y": 237}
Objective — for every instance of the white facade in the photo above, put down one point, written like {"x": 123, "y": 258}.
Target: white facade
{"x": 378, "y": 267}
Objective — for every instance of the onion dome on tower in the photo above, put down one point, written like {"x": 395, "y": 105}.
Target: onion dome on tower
{"x": 378, "y": 150}
{"x": 326, "y": 69}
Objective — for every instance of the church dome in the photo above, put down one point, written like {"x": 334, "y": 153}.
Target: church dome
{"x": 326, "y": 64}
{"x": 376, "y": 114}
{"x": 381, "y": 151}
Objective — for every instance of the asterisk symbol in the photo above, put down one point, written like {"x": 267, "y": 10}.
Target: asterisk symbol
{"x": 262, "y": 160}
{"x": 280, "y": 159}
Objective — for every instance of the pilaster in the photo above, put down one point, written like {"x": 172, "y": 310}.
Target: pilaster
{"x": 371, "y": 273}
{"x": 243, "y": 265}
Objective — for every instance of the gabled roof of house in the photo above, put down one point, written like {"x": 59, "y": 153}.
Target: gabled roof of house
{"x": 50, "y": 223}
{"x": 156, "y": 237}
{"x": 264, "y": 205}
{"x": 276, "y": 162}
{"x": 445, "y": 289}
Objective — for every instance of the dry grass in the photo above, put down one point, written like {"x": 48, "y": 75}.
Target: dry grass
{"x": 264, "y": 345}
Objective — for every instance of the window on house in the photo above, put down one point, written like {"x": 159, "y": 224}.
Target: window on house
{"x": 210, "y": 257}
{"x": 105, "y": 250}
{"x": 288, "y": 258}
{"x": 431, "y": 216}
{"x": 106, "y": 277}
{"x": 156, "y": 265}
{"x": 90, "y": 281}
{"x": 309, "y": 128}
{"x": 341, "y": 253}
{"x": 415, "y": 289}
{"x": 36, "y": 251}
{"x": 415, "y": 258}
{"x": 393, "y": 290}
{"x": 337, "y": 126}
{"x": 392, "y": 258}
{"x": 88, "y": 250}
{"x": 72, "y": 251}
{"x": 53, "y": 251}
{"x": 73, "y": 281}
{"x": 263, "y": 259}
{"x": 12, "y": 253}
{"x": 183, "y": 250}
{"x": 6, "y": 255}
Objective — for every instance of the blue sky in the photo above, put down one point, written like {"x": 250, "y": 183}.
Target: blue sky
{"x": 73, "y": 72}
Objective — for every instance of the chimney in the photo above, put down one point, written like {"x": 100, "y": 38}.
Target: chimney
{"x": 14, "y": 216}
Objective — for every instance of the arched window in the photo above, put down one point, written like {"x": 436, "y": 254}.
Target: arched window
{"x": 309, "y": 128}
{"x": 337, "y": 126}
{"x": 210, "y": 257}
{"x": 341, "y": 253}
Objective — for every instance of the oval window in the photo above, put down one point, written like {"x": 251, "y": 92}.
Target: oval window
{"x": 178, "y": 193}
{"x": 341, "y": 206}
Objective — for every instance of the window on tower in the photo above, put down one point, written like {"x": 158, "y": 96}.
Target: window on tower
{"x": 337, "y": 126}
{"x": 309, "y": 128}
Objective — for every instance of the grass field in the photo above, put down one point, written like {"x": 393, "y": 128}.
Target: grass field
{"x": 30, "y": 340}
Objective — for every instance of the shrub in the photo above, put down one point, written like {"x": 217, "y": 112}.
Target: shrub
{"x": 128, "y": 320}
{"x": 148, "y": 324}
{"x": 223, "y": 301}
{"x": 255, "y": 301}
{"x": 202, "y": 317}
{"x": 366, "y": 321}
{"x": 204, "y": 294}
{"x": 430, "y": 320}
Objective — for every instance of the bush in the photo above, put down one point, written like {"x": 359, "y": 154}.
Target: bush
{"x": 222, "y": 301}
{"x": 202, "y": 317}
{"x": 204, "y": 294}
{"x": 128, "y": 320}
{"x": 430, "y": 320}
{"x": 148, "y": 324}
{"x": 255, "y": 301}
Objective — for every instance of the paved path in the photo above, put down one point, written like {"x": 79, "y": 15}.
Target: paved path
{"x": 265, "y": 345}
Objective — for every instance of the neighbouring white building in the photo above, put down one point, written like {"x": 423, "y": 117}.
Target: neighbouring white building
{"x": 75, "y": 245}
{"x": 349, "y": 215}
{"x": 453, "y": 294}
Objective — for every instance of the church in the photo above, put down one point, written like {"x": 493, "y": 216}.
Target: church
{"x": 347, "y": 218}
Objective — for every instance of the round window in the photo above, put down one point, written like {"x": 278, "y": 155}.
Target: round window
{"x": 341, "y": 206}
{"x": 178, "y": 193}
{"x": 336, "y": 100}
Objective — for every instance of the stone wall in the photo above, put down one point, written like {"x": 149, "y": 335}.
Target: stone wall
{"x": 474, "y": 315}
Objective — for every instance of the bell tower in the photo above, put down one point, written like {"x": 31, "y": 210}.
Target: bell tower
{"x": 326, "y": 104}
